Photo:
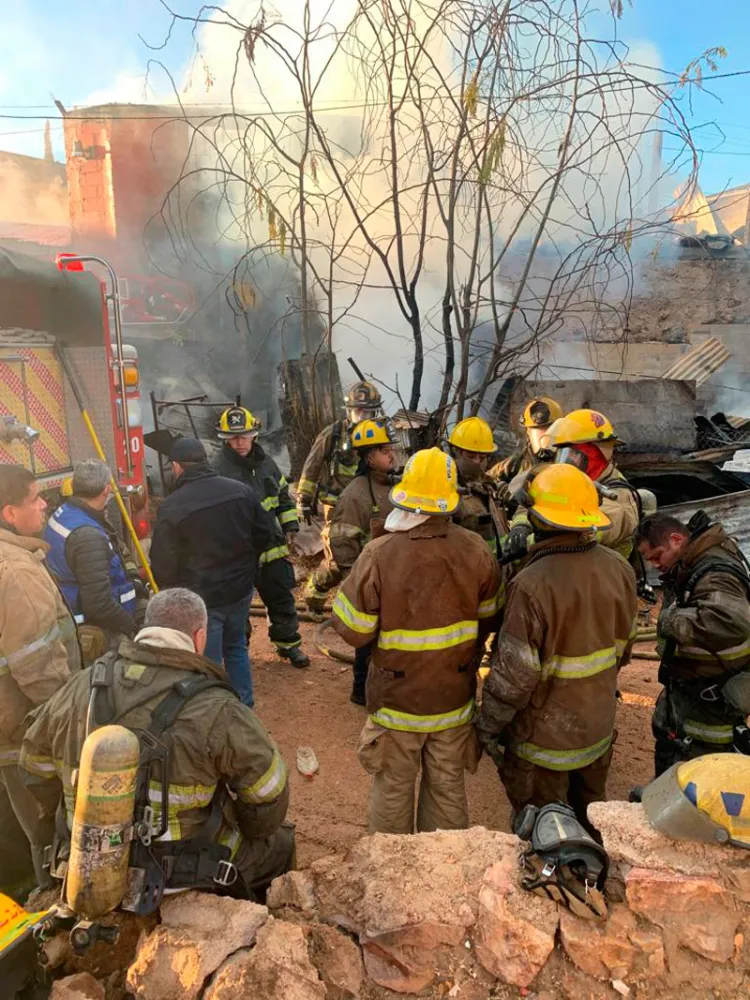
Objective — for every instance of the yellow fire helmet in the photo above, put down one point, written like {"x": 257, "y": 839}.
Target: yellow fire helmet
{"x": 235, "y": 421}
{"x": 706, "y": 799}
{"x": 371, "y": 434}
{"x": 583, "y": 427}
{"x": 66, "y": 487}
{"x": 473, "y": 434}
{"x": 541, "y": 412}
{"x": 428, "y": 485}
{"x": 562, "y": 496}
{"x": 362, "y": 396}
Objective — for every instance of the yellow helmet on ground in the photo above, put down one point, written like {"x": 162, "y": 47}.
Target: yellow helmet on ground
{"x": 473, "y": 434}
{"x": 66, "y": 487}
{"x": 583, "y": 427}
{"x": 562, "y": 496}
{"x": 362, "y": 396}
{"x": 372, "y": 434}
{"x": 706, "y": 799}
{"x": 235, "y": 421}
{"x": 428, "y": 485}
{"x": 541, "y": 412}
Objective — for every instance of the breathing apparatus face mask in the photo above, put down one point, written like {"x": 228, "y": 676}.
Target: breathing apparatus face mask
{"x": 537, "y": 440}
{"x": 589, "y": 458}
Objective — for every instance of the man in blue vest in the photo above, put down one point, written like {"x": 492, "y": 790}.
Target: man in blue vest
{"x": 87, "y": 562}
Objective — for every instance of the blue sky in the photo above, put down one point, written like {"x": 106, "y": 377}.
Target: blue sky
{"x": 89, "y": 51}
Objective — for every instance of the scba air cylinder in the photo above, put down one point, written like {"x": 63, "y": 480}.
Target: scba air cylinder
{"x": 102, "y": 823}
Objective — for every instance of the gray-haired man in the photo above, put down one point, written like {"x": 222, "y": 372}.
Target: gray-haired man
{"x": 89, "y": 564}
{"x": 227, "y": 792}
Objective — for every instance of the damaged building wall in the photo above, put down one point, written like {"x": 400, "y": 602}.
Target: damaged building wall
{"x": 678, "y": 303}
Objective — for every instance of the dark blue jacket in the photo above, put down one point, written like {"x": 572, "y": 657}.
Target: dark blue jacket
{"x": 208, "y": 536}
{"x": 85, "y": 560}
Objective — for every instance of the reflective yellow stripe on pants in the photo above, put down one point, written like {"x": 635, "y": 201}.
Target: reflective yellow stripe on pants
{"x": 704, "y": 733}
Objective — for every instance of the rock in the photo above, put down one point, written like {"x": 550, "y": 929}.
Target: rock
{"x": 197, "y": 933}
{"x": 295, "y": 890}
{"x": 620, "y": 987}
{"x": 630, "y": 839}
{"x": 515, "y": 930}
{"x": 411, "y": 900}
{"x": 338, "y": 961}
{"x": 699, "y": 913}
{"x": 615, "y": 948}
{"x": 277, "y": 968}
{"x": 82, "y": 986}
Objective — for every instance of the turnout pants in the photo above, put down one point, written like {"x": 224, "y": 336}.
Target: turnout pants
{"x": 529, "y": 784}
{"x": 20, "y": 858}
{"x": 275, "y": 585}
{"x": 327, "y": 575}
{"x": 261, "y": 861}
{"x": 395, "y": 760}
{"x": 691, "y": 719}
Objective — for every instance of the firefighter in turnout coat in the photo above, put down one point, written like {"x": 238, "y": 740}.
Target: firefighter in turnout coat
{"x": 586, "y": 439}
{"x": 538, "y": 416}
{"x": 424, "y": 595}
{"x": 38, "y": 653}
{"x": 243, "y": 459}
{"x": 704, "y": 636}
{"x": 360, "y": 515}
{"x": 227, "y": 793}
{"x": 328, "y": 470}
{"x": 548, "y": 705}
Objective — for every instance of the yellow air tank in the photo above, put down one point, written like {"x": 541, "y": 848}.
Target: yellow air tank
{"x": 100, "y": 838}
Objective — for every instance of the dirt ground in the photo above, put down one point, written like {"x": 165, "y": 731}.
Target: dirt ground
{"x": 311, "y": 707}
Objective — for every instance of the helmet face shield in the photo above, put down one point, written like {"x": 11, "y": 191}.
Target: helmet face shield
{"x": 572, "y": 456}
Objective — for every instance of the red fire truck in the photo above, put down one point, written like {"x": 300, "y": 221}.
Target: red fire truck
{"x": 61, "y": 342}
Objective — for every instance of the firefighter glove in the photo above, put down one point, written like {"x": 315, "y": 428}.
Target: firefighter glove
{"x": 517, "y": 544}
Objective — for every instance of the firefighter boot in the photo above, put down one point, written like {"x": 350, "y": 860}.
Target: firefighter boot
{"x": 296, "y": 656}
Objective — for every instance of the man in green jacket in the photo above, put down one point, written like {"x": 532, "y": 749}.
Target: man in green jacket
{"x": 227, "y": 782}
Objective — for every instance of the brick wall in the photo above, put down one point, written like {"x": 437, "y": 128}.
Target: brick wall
{"x": 132, "y": 156}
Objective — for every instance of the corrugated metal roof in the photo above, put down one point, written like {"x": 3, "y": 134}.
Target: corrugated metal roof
{"x": 700, "y": 362}
{"x": 738, "y": 422}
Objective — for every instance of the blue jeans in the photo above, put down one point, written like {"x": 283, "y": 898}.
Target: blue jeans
{"x": 227, "y": 641}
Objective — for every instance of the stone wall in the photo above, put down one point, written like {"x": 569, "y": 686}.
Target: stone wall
{"x": 443, "y": 915}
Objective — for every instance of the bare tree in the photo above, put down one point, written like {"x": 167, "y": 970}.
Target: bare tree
{"x": 485, "y": 164}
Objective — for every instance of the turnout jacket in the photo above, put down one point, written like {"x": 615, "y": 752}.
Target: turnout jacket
{"x": 478, "y": 512}
{"x": 624, "y": 512}
{"x": 38, "y": 642}
{"x": 215, "y": 739}
{"x": 424, "y": 598}
{"x": 208, "y": 535}
{"x": 360, "y": 510}
{"x": 569, "y": 624}
{"x": 259, "y": 471}
{"x": 330, "y": 466}
{"x": 707, "y": 622}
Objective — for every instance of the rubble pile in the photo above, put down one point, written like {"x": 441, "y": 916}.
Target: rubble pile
{"x": 443, "y": 915}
